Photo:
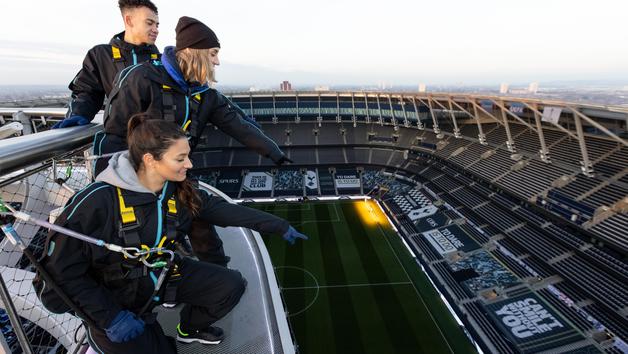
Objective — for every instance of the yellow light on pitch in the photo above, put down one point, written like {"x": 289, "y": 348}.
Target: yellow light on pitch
{"x": 370, "y": 212}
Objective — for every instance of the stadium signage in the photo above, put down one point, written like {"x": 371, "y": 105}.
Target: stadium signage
{"x": 551, "y": 114}
{"x": 450, "y": 239}
{"x": 422, "y": 212}
{"x": 311, "y": 181}
{"x": 516, "y": 108}
{"x": 228, "y": 181}
{"x": 347, "y": 181}
{"x": 526, "y": 318}
{"x": 432, "y": 222}
{"x": 531, "y": 324}
{"x": 258, "y": 181}
{"x": 444, "y": 242}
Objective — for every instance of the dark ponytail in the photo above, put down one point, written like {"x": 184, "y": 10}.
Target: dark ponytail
{"x": 155, "y": 136}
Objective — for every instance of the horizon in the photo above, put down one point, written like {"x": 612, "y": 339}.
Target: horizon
{"x": 401, "y": 43}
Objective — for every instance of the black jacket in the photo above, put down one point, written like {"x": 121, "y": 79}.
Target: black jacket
{"x": 140, "y": 88}
{"x": 95, "y": 79}
{"x": 78, "y": 267}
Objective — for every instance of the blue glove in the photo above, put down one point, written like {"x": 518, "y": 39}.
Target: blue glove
{"x": 70, "y": 122}
{"x": 124, "y": 327}
{"x": 292, "y": 235}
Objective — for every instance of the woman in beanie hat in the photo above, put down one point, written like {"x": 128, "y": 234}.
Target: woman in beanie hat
{"x": 197, "y": 50}
{"x": 177, "y": 88}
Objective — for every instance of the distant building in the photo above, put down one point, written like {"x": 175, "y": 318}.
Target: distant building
{"x": 383, "y": 85}
{"x": 321, "y": 88}
{"x": 253, "y": 89}
{"x": 503, "y": 88}
{"x": 533, "y": 88}
{"x": 285, "y": 86}
{"x": 422, "y": 88}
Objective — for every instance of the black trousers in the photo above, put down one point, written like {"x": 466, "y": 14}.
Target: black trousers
{"x": 206, "y": 243}
{"x": 208, "y": 292}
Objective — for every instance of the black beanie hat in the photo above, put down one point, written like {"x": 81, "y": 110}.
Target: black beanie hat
{"x": 192, "y": 33}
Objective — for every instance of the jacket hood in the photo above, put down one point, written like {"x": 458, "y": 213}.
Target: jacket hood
{"x": 169, "y": 60}
{"x": 118, "y": 41}
{"x": 120, "y": 173}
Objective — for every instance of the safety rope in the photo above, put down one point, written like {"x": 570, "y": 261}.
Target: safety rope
{"x": 129, "y": 252}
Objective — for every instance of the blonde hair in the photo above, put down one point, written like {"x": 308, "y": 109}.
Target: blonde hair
{"x": 195, "y": 65}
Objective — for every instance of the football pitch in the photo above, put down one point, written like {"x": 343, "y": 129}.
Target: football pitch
{"x": 353, "y": 287}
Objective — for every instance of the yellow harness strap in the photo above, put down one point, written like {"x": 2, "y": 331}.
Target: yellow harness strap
{"x": 172, "y": 206}
{"x": 115, "y": 52}
{"x": 126, "y": 213}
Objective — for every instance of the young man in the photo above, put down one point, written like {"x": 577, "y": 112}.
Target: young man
{"x": 103, "y": 62}
{"x": 177, "y": 88}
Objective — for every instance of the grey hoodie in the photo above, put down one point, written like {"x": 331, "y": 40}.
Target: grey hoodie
{"x": 120, "y": 173}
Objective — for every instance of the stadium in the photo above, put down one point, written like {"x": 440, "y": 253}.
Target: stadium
{"x": 438, "y": 223}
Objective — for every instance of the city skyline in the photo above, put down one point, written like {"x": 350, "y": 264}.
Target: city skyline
{"x": 335, "y": 43}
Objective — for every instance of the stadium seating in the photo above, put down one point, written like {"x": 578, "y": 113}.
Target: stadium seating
{"x": 567, "y": 311}
{"x": 613, "y": 228}
{"x": 613, "y": 322}
{"x": 493, "y": 190}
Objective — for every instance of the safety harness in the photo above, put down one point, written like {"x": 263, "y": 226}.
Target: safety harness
{"x": 169, "y": 108}
{"x": 120, "y": 64}
{"x": 128, "y": 230}
{"x": 53, "y": 297}
{"x": 118, "y": 59}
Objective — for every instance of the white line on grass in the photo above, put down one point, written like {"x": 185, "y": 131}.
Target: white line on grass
{"x": 336, "y": 219}
{"x": 414, "y": 286}
{"x": 345, "y": 286}
{"x": 314, "y": 287}
{"x": 294, "y": 207}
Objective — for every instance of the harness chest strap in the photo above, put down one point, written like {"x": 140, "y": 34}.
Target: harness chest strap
{"x": 130, "y": 224}
{"x": 118, "y": 60}
{"x": 169, "y": 108}
{"x": 192, "y": 124}
{"x": 168, "y": 103}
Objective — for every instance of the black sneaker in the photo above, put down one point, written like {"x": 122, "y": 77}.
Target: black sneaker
{"x": 212, "y": 335}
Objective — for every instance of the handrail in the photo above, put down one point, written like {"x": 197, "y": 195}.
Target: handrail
{"x": 21, "y": 151}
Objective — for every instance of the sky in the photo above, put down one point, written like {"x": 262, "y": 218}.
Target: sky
{"x": 342, "y": 42}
